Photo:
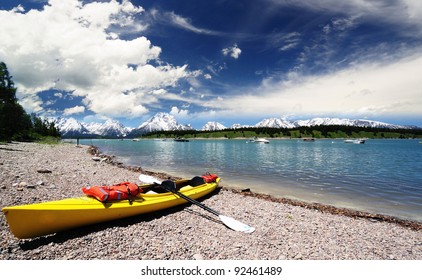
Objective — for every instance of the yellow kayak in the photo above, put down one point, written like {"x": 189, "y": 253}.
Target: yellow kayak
{"x": 33, "y": 220}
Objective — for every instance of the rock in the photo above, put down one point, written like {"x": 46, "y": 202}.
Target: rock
{"x": 282, "y": 257}
{"x": 23, "y": 184}
{"x": 40, "y": 183}
{"x": 96, "y": 158}
{"x": 198, "y": 257}
{"x": 44, "y": 171}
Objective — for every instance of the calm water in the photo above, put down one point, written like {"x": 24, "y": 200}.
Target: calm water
{"x": 380, "y": 176}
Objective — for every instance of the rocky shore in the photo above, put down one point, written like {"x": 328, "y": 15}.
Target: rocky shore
{"x": 32, "y": 173}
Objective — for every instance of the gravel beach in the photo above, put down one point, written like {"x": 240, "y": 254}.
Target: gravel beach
{"x": 32, "y": 173}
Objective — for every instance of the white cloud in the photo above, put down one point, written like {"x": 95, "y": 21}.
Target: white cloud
{"x": 283, "y": 41}
{"x": 18, "y": 9}
{"x": 179, "y": 112}
{"x": 233, "y": 51}
{"x": 171, "y": 18}
{"x": 74, "y": 110}
{"x": 76, "y": 47}
{"x": 401, "y": 12}
{"x": 362, "y": 90}
{"x": 184, "y": 23}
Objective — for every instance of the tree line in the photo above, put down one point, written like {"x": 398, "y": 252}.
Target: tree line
{"x": 319, "y": 131}
{"x": 15, "y": 123}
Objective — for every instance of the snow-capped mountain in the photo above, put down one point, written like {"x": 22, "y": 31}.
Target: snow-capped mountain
{"x": 238, "y": 126}
{"x": 211, "y": 126}
{"x": 282, "y": 123}
{"x": 276, "y": 123}
{"x": 71, "y": 127}
{"x": 347, "y": 122}
{"x": 110, "y": 128}
{"x": 92, "y": 127}
{"x": 161, "y": 122}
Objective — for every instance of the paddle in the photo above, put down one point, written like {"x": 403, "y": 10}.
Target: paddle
{"x": 228, "y": 221}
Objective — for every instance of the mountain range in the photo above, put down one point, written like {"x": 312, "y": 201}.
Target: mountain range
{"x": 71, "y": 128}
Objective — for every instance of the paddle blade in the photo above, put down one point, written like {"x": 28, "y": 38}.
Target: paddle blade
{"x": 236, "y": 225}
{"x": 148, "y": 179}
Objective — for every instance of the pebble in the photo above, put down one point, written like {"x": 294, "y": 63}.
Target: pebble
{"x": 198, "y": 257}
{"x": 283, "y": 231}
{"x": 44, "y": 171}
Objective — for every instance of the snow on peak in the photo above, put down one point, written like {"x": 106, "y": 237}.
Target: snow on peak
{"x": 211, "y": 126}
{"x": 276, "y": 123}
{"x": 347, "y": 122}
{"x": 160, "y": 122}
{"x": 70, "y": 127}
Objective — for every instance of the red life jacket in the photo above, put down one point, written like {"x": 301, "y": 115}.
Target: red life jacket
{"x": 120, "y": 191}
{"x": 209, "y": 177}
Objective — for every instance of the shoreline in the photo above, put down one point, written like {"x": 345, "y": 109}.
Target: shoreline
{"x": 414, "y": 225}
{"x": 284, "y": 230}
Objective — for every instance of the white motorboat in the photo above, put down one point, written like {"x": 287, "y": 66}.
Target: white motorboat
{"x": 355, "y": 141}
{"x": 259, "y": 140}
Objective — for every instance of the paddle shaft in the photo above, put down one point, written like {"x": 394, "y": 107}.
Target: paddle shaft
{"x": 192, "y": 201}
{"x": 228, "y": 221}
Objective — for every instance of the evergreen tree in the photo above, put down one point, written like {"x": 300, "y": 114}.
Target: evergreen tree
{"x": 15, "y": 123}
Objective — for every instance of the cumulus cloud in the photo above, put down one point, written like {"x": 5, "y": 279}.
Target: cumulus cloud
{"x": 74, "y": 110}
{"x": 175, "y": 111}
{"x": 76, "y": 47}
{"x": 233, "y": 51}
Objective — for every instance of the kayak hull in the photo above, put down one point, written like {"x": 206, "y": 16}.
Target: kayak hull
{"x": 34, "y": 220}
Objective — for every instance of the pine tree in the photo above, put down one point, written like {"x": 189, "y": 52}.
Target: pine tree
{"x": 15, "y": 123}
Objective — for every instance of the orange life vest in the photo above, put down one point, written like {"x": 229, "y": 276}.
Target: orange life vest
{"x": 119, "y": 191}
{"x": 209, "y": 177}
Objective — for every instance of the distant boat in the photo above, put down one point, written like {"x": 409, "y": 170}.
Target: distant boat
{"x": 355, "y": 141}
{"x": 309, "y": 139}
{"x": 259, "y": 140}
{"x": 180, "y": 139}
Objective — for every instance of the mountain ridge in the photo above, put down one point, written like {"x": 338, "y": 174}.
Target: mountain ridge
{"x": 70, "y": 127}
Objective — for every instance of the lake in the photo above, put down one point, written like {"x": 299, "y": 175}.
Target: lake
{"x": 380, "y": 176}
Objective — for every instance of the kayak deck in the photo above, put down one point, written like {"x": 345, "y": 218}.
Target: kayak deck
{"x": 33, "y": 220}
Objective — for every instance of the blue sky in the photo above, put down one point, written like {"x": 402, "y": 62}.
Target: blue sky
{"x": 225, "y": 61}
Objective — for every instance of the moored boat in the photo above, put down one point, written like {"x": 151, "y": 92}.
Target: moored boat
{"x": 33, "y": 220}
{"x": 355, "y": 141}
{"x": 180, "y": 139}
{"x": 259, "y": 140}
